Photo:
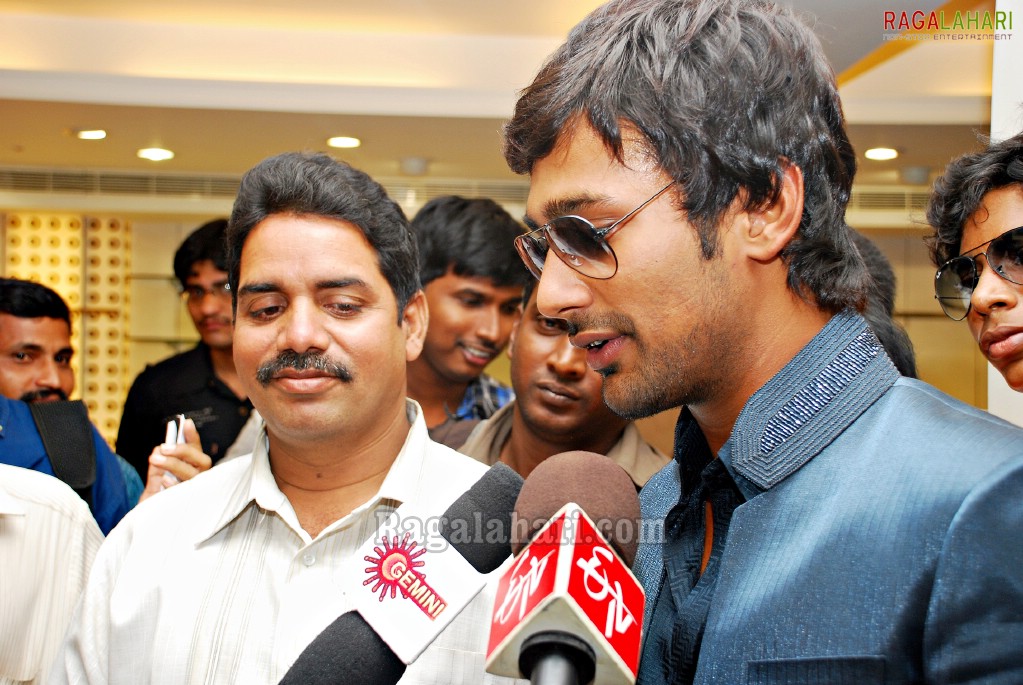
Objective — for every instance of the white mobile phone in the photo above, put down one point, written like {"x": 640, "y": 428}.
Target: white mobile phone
{"x": 175, "y": 435}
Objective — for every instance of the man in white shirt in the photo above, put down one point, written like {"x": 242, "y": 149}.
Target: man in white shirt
{"x": 226, "y": 578}
{"x": 48, "y": 540}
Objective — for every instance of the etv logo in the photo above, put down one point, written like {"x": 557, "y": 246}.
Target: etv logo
{"x": 395, "y": 569}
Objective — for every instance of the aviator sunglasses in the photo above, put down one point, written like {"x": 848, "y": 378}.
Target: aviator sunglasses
{"x": 577, "y": 242}
{"x": 956, "y": 279}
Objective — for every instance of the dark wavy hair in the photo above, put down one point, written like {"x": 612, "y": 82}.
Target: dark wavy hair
{"x": 317, "y": 185}
{"x": 726, "y": 94}
{"x": 959, "y": 190}
{"x": 204, "y": 243}
{"x": 473, "y": 237}
{"x": 30, "y": 300}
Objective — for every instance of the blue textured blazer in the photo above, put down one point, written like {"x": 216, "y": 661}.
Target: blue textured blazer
{"x": 882, "y": 536}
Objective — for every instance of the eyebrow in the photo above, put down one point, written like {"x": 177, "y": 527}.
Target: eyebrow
{"x": 563, "y": 206}
{"x": 331, "y": 284}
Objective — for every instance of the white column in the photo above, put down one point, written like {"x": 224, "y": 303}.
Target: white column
{"x": 1006, "y": 121}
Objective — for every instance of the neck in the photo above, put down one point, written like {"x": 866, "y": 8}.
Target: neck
{"x": 326, "y": 479}
{"x": 524, "y": 450}
{"x": 434, "y": 394}
{"x": 222, "y": 359}
{"x": 765, "y": 349}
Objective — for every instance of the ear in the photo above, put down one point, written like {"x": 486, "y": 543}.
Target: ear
{"x": 770, "y": 228}
{"x": 414, "y": 321}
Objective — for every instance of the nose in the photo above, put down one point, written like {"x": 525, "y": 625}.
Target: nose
{"x": 491, "y": 325}
{"x": 302, "y": 328}
{"x": 992, "y": 291}
{"x": 210, "y": 303}
{"x": 566, "y": 360}
{"x": 49, "y": 374}
{"x": 561, "y": 289}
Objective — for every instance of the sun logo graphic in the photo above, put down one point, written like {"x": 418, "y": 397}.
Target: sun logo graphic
{"x": 394, "y": 570}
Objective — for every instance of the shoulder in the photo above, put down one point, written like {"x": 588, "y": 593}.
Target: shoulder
{"x": 44, "y": 493}
{"x": 185, "y": 514}
{"x": 922, "y": 413}
{"x": 449, "y": 471}
{"x": 181, "y": 367}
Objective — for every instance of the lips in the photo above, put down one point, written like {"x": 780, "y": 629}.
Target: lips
{"x": 214, "y": 324}
{"x": 304, "y": 382}
{"x": 602, "y": 348}
{"x": 479, "y": 356}
{"x": 558, "y": 391}
{"x": 1002, "y": 342}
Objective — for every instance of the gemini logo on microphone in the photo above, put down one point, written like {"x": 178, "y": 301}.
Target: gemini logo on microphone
{"x": 395, "y": 569}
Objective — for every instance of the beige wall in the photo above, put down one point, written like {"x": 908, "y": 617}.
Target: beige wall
{"x": 94, "y": 260}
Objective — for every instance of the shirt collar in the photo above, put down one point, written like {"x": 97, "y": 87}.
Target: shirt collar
{"x": 806, "y": 405}
{"x": 258, "y": 485}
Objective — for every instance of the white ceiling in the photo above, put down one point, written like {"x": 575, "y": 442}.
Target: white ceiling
{"x": 225, "y": 83}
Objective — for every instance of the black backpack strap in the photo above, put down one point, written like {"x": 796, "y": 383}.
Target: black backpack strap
{"x": 67, "y": 436}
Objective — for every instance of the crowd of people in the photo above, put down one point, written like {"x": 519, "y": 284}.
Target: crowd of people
{"x": 827, "y": 516}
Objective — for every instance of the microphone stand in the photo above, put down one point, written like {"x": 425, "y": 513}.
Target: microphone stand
{"x": 557, "y": 658}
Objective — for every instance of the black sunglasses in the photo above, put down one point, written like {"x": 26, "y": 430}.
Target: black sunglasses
{"x": 577, "y": 242}
{"x": 957, "y": 278}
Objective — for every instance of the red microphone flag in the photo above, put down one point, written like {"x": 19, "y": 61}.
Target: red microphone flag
{"x": 568, "y": 579}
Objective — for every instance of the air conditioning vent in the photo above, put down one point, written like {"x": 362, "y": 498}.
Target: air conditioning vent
{"x": 889, "y": 198}
{"x": 411, "y": 193}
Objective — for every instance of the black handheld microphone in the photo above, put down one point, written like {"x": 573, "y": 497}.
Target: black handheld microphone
{"x": 350, "y": 651}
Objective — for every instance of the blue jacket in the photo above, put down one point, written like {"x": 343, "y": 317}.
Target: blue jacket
{"x": 881, "y": 540}
{"x": 21, "y": 445}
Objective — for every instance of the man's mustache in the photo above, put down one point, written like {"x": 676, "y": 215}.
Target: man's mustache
{"x": 302, "y": 362}
{"x": 39, "y": 395}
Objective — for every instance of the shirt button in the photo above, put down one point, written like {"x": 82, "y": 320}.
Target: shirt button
{"x": 309, "y": 559}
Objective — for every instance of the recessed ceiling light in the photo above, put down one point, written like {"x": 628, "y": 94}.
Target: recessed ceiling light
{"x": 344, "y": 142}
{"x": 881, "y": 154}
{"x": 90, "y": 133}
{"x": 155, "y": 154}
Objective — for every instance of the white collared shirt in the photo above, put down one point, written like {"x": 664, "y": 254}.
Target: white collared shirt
{"x": 215, "y": 581}
{"x": 48, "y": 540}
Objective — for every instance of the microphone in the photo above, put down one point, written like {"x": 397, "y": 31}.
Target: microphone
{"x": 399, "y": 610}
{"x": 569, "y": 610}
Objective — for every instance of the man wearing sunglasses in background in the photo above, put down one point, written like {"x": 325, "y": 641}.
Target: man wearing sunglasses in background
{"x": 200, "y": 383}
{"x": 826, "y": 519}
{"x": 976, "y": 210}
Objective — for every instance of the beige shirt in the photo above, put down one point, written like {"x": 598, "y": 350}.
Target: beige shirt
{"x": 215, "y": 581}
{"x": 48, "y": 540}
{"x": 639, "y": 459}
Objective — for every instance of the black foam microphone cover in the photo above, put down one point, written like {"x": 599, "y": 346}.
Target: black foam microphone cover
{"x": 347, "y": 652}
{"x": 478, "y": 524}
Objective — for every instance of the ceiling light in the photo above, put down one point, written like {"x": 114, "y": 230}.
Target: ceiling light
{"x": 155, "y": 154}
{"x": 344, "y": 142}
{"x": 881, "y": 154}
{"x": 90, "y": 133}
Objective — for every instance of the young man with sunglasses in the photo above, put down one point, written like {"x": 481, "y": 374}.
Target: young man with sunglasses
{"x": 827, "y": 520}
{"x": 200, "y": 383}
{"x": 976, "y": 210}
